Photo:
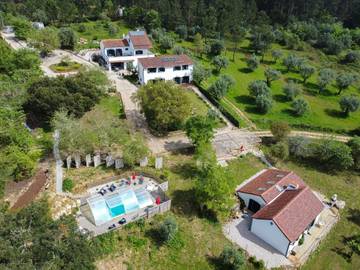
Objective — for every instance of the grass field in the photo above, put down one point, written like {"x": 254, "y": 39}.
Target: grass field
{"x": 94, "y": 31}
{"x": 113, "y": 104}
{"x": 324, "y": 108}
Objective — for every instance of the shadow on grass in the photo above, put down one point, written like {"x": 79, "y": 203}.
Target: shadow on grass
{"x": 267, "y": 62}
{"x": 244, "y": 99}
{"x": 280, "y": 98}
{"x": 245, "y": 70}
{"x": 346, "y": 252}
{"x": 185, "y": 170}
{"x": 335, "y": 113}
{"x": 183, "y": 203}
{"x": 154, "y": 236}
{"x": 216, "y": 262}
{"x": 354, "y": 216}
{"x": 289, "y": 112}
{"x": 253, "y": 110}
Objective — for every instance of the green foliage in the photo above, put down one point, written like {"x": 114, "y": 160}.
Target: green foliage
{"x": 67, "y": 38}
{"x": 41, "y": 242}
{"x": 166, "y": 42}
{"x": 134, "y": 151}
{"x": 280, "y": 130}
{"x": 220, "y": 62}
{"x": 263, "y": 103}
{"x": 291, "y": 90}
{"x": 165, "y": 105}
{"x": 276, "y": 55}
{"x": 232, "y": 258}
{"x": 182, "y": 31}
{"x": 220, "y": 87}
{"x": 200, "y": 129}
{"x": 261, "y": 39}
{"x": 168, "y": 229}
{"x": 68, "y": 185}
{"x": 354, "y": 244}
{"x": 291, "y": 62}
{"x": 271, "y": 75}
{"x": 280, "y": 150}
{"x": 349, "y": 104}
{"x": 326, "y": 76}
{"x": 237, "y": 34}
{"x": 45, "y": 40}
{"x": 22, "y": 28}
{"x": 343, "y": 81}
{"x": 300, "y": 147}
{"x": 333, "y": 155}
{"x": 252, "y": 62}
{"x": 306, "y": 71}
{"x": 302, "y": 239}
{"x": 352, "y": 57}
{"x": 354, "y": 144}
{"x": 75, "y": 94}
{"x": 300, "y": 106}
{"x": 199, "y": 44}
{"x": 200, "y": 74}
{"x": 216, "y": 47}
{"x": 259, "y": 88}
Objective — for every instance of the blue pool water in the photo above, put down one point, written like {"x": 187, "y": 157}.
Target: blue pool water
{"x": 117, "y": 210}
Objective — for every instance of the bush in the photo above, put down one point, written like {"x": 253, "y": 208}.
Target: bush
{"x": 280, "y": 130}
{"x": 216, "y": 47}
{"x": 292, "y": 90}
{"x": 67, "y": 38}
{"x": 259, "y": 87}
{"x": 354, "y": 144}
{"x": 280, "y": 150}
{"x": 300, "y": 106}
{"x": 352, "y": 57}
{"x": 220, "y": 87}
{"x": 232, "y": 258}
{"x": 68, "y": 185}
{"x": 299, "y": 147}
{"x": 168, "y": 229}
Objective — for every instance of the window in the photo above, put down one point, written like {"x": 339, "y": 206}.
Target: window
{"x": 177, "y": 80}
{"x": 151, "y": 70}
{"x": 118, "y": 52}
{"x": 110, "y": 52}
{"x": 177, "y": 68}
{"x": 184, "y": 67}
{"x": 138, "y": 52}
{"x": 126, "y": 49}
{"x": 161, "y": 69}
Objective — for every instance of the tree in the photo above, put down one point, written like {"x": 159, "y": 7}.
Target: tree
{"x": 45, "y": 40}
{"x": 182, "y": 31}
{"x": 333, "y": 154}
{"x": 68, "y": 185}
{"x": 252, "y": 62}
{"x": 292, "y": 90}
{"x": 232, "y": 258}
{"x": 326, "y": 76}
{"x": 165, "y": 105}
{"x": 22, "y": 28}
{"x": 306, "y": 71}
{"x": 349, "y": 104}
{"x": 134, "y": 150}
{"x": 263, "y": 103}
{"x": 299, "y": 147}
{"x": 300, "y": 106}
{"x": 220, "y": 62}
{"x": 276, "y": 54}
{"x": 220, "y": 87}
{"x": 280, "y": 150}
{"x": 271, "y": 75}
{"x": 67, "y": 38}
{"x": 261, "y": 39}
{"x": 344, "y": 81}
{"x": 354, "y": 144}
{"x": 199, "y": 44}
{"x": 216, "y": 47}
{"x": 237, "y": 33}
{"x": 178, "y": 50}
{"x": 200, "y": 129}
{"x": 280, "y": 130}
{"x": 291, "y": 62}
{"x": 166, "y": 42}
{"x": 200, "y": 74}
{"x": 259, "y": 87}
{"x": 152, "y": 20}
{"x": 352, "y": 57}
{"x": 168, "y": 229}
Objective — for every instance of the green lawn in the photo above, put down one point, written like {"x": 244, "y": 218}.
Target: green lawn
{"x": 325, "y": 111}
{"x": 96, "y": 31}
{"x": 66, "y": 66}
{"x": 113, "y": 104}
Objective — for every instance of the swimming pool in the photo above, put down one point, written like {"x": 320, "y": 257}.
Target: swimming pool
{"x": 105, "y": 208}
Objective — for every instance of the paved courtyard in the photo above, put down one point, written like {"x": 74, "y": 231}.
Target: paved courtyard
{"x": 237, "y": 231}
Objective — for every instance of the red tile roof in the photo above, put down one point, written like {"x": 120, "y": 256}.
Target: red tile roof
{"x": 293, "y": 211}
{"x": 165, "y": 61}
{"x": 115, "y": 43}
{"x": 270, "y": 184}
{"x": 140, "y": 41}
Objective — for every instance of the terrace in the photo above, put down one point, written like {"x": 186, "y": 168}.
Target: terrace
{"x": 107, "y": 206}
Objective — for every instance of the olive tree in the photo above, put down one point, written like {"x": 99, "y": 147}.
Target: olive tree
{"x": 258, "y": 87}
{"x": 326, "y": 76}
{"x": 291, "y": 90}
{"x": 276, "y": 55}
{"x": 252, "y": 62}
{"x": 300, "y": 106}
{"x": 200, "y": 74}
{"x": 344, "y": 81}
{"x": 271, "y": 75}
{"x": 221, "y": 86}
{"x": 349, "y": 104}
{"x": 280, "y": 130}
{"x": 264, "y": 103}
{"x": 220, "y": 62}
{"x": 306, "y": 71}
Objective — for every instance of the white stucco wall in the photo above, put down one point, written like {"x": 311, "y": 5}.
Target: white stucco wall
{"x": 169, "y": 74}
{"x": 246, "y": 197}
{"x": 270, "y": 234}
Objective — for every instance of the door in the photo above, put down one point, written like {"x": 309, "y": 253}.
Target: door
{"x": 186, "y": 79}
{"x": 253, "y": 206}
{"x": 177, "y": 80}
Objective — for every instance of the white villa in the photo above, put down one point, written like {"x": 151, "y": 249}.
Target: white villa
{"x": 176, "y": 68}
{"x": 284, "y": 208}
{"x": 118, "y": 52}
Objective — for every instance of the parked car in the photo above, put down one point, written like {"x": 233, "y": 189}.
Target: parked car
{"x": 112, "y": 227}
{"x": 112, "y": 188}
{"x": 122, "y": 221}
{"x": 102, "y": 191}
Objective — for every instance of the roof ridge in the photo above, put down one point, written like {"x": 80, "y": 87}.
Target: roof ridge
{"x": 288, "y": 172}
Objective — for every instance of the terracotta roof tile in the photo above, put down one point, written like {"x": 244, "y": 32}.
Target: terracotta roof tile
{"x": 115, "y": 43}
{"x": 292, "y": 211}
{"x": 270, "y": 183}
{"x": 140, "y": 40}
{"x": 165, "y": 61}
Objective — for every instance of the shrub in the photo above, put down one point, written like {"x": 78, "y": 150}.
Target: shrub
{"x": 259, "y": 87}
{"x": 168, "y": 229}
{"x": 178, "y": 50}
{"x": 182, "y": 31}
{"x": 216, "y": 47}
{"x": 232, "y": 258}
{"x": 300, "y": 106}
{"x": 354, "y": 144}
{"x": 299, "y": 147}
{"x": 67, "y": 38}
{"x": 302, "y": 239}
{"x": 292, "y": 90}
{"x": 68, "y": 185}
{"x": 280, "y": 130}
{"x": 252, "y": 62}
{"x": 220, "y": 87}
{"x": 280, "y": 150}
{"x": 352, "y": 57}
{"x": 220, "y": 62}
